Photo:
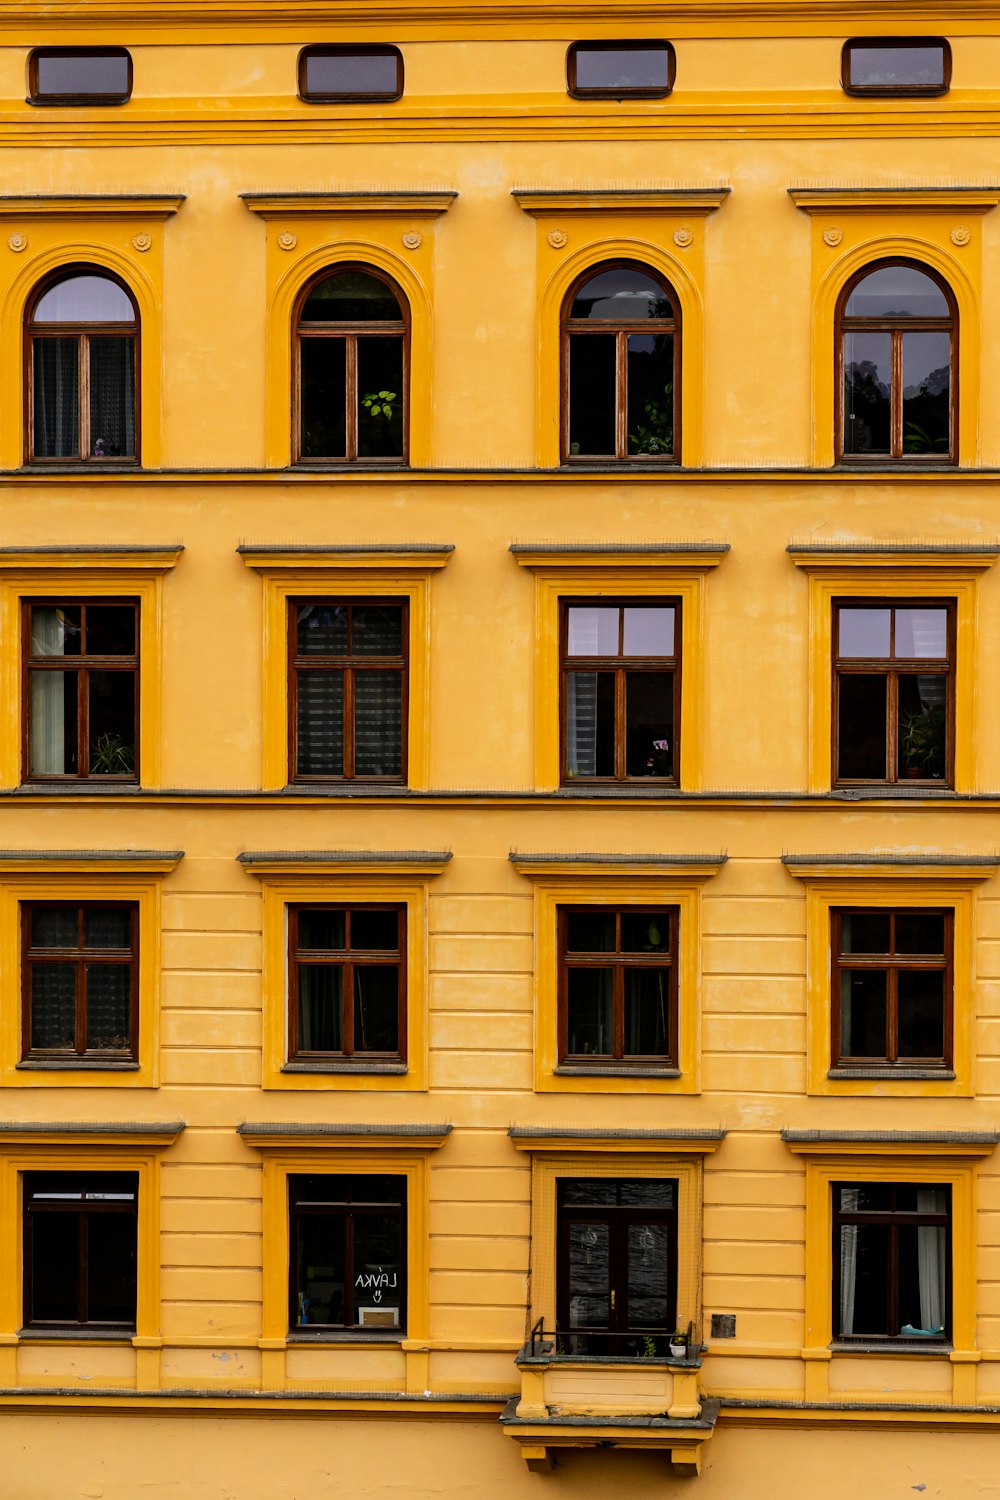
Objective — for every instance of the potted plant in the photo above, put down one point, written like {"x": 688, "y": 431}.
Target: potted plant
{"x": 921, "y": 743}
{"x": 679, "y": 1343}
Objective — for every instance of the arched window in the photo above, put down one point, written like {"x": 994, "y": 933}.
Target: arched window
{"x": 621, "y": 362}
{"x": 897, "y": 342}
{"x": 82, "y": 344}
{"x": 350, "y": 361}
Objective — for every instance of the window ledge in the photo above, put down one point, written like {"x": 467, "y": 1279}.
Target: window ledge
{"x": 572, "y": 1070}
{"x": 81, "y": 788}
{"x": 944, "y": 1074}
{"x": 75, "y": 1335}
{"x": 354, "y": 1336}
{"x": 620, "y": 466}
{"x": 913, "y": 1346}
{"x": 78, "y": 1065}
{"x": 83, "y": 468}
{"x": 345, "y": 1067}
{"x": 630, "y": 1362}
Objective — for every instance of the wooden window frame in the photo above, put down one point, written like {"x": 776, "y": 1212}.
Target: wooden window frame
{"x": 348, "y": 665}
{"x": 895, "y": 91}
{"x": 350, "y": 332}
{"x": 896, "y": 328}
{"x": 37, "y": 98}
{"x": 891, "y": 963}
{"x": 619, "y": 962}
{"x": 892, "y": 1219}
{"x": 621, "y": 665}
{"x": 349, "y": 1052}
{"x": 83, "y": 665}
{"x": 82, "y": 1213}
{"x": 892, "y": 668}
{"x": 83, "y": 333}
{"x": 80, "y": 957}
{"x": 351, "y": 96}
{"x": 582, "y": 327}
{"x": 576, "y": 91}
{"x": 347, "y": 1212}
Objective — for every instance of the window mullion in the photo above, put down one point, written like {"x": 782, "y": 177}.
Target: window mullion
{"x": 621, "y": 395}
{"x": 351, "y": 415}
{"x": 82, "y": 1268}
{"x": 84, "y": 389}
{"x": 896, "y": 396}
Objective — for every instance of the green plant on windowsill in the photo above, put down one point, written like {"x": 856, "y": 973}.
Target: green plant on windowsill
{"x": 112, "y": 756}
{"x": 379, "y": 404}
{"x": 921, "y": 743}
{"x": 655, "y": 436}
{"x": 917, "y": 439}
{"x": 649, "y": 1350}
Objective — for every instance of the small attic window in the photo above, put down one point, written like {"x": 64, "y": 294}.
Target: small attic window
{"x": 616, "y": 70}
{"x": 79, "y": 75}
{"x": 891, "y": 66}
{"x": 350, "y": 75}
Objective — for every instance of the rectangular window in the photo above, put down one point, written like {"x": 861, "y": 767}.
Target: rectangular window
{"x": 613, "y": 70}
{"x": 79, "y": 75}
{"x": 621, "y": 685}
{"x": 81, "y": 687}
{"x": 892, "y": 1263}
{"x": 80, "y": 982}
{"x": 893, "y": 691}
{"x": 892, "y": 988}
{"x": 616, "y": 1266}
{"x": 347, "y": 1257}
{"x": 348, "y": 668}
{"x": 347, "y": 983}
{"x": 347, "y": 75}
{"x": 884, "y": 66}
{"x": 618, "y": 986}
{"x": 80, "y": 1235}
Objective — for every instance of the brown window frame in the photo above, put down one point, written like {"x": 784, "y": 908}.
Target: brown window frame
{"x": 892, "y": 667}
{"x": 83, "y": 333}
{"x": 581, "y": 327}
{"x": 895, "y": 90}
{"x": 80, "y": 957}
{"x": 646, "y": 44}
{"x": 621, "y": 665}
{"x": 350, "y": 333}
{"x": 350, "y": 97}
{"x": 37, "y": 98}
{"x": 82, "y": 1210}
{"x": 351, "y": 959}
{"x": 617, "y": 1060}
{"x": 347, "y": 1210}
{"x": 896, "y": 328}
{"x": 893, "y": 1219}
{"x": 892, "y": 963}
{"x": 83, "y": 665}
{"x": 348, "y": 664}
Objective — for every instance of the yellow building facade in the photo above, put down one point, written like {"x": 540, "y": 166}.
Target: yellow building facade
{"x": 525, "y": 901}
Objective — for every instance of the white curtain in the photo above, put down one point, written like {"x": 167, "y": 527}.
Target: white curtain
{"x": 848, "y": 1260}
{"x": 48, "y": 722}
{"x": 931, "y": 1261}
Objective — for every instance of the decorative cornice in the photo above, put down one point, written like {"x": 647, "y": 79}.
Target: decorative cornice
{"x": 82, "y": 1132}
{"x": 415, "y": 556}
{"x": 81, "y": 861}
{"x": 820, "y": 556}
{"x": 653, "y": 199}
{"x": 354, "y": 861}
{"x": 131, "y": 556}
{"x": 943, "y": 199}
{"x": 413, "y": 205}
{"x": 875, "y": 863}
{"x": 415, "y": 1137}
{"x": 654, "y": 866}
{"x": 693, "y": 556}
{"x": 692, "y": 1140}
{"x": 90, "y": 205}
{"x": 890, "y": 1142}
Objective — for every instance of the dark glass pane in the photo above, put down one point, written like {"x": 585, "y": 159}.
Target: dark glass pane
{"x": 922, "y": 1269}
{"x": 112, "y": 723}
{"x": 896, "y": 67}
{"x": 53, "y": 1268}
{"x": 54, "y": 927}
{"x": 926, "y": 393}
{"x": 864, "y": 1280}
{"x": 84, "y": 299}
{"x": 109, "y": 1002}
{"x": 592, "y": 387}
{"x": 320, "y": 929}
{"x": 590, "y": 931}
{"x": 110, "y": 630}
{"x": 375, "y": 930}
{"x": 378, "y": 723}
{"x": 112, "y": 397}
{"x": 606, "y": 67}
{"x": 920, "y": 932}
{"x": 650, "y": 411}
{"x": 83, "y": 73}
{"x": 865, "y": 932}
{"x": 872, "y": 1197}
{"x": 590, "y": 1191}
{"x": 588, "y": 1013}
{"x": 351, "y": 297}
{"x": 320, "y": 1008}
{"x": 56, "y": 379}
{"x": 53, "y": 1006}
{"x": 861, "y": 747}
{"x": 645, "y": 932}
{"x": 647, "y": 1193}
{"x": 864, "y": 633}
{"x": 380, "y": 397}
{"x": 592, "y": 630}
{"x": 111, "y": 1268}
{"x": 649, "y": 1277}
{"x": 351, "y": 73}
{"x": 107, "y": 927}
{"x": 321, "y": 630}
{"x": 56, "y": 630}
{"x": 323, "y": 398}
{"x": 863, "y": 1013}
{"x": 320, "y": 738}
{"x": 377, "y": 630}
{"x": 867, "y": 385}
{"x": 590, "y": 723}
{"x": 921, "y": 1012}
{"x": 621, "y": 295}
{"x": 319, "y": 1291}
{"x": 54, "y": 723}
{"x": 922, "y": 633}
{"x": 376, "y": 1008}
{"x": 649, "y": 723}
{"x": 320, "y": 1187}
{"x": 912, "y": 1198}
{"x": 647, "y": 1012}
{"x": 649, "y": 630}
{"x": 377, "y": 1188}
{"x": 922, "y": 725}
{"x": 378, "y": 1271}
{"x": 897, "y": 292}
{"x": 588, "y": 1275}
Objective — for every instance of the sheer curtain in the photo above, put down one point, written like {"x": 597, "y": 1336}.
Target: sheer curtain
{"x": 57, "y": 407}
{"x": 931, "y": 1252}
{"x": 112, "y": 397}
{"x": 848, "y": 1261}
{"x": 581, "y": 716}
{"x": 48, "y": 705}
